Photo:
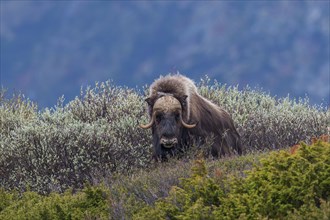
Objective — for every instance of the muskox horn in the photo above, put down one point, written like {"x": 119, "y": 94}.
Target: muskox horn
{"x": 187, "y": 125}
{"x": 150, "y": 123}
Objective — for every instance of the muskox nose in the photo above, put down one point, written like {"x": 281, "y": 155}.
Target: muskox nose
{"x": 168, "y": 142}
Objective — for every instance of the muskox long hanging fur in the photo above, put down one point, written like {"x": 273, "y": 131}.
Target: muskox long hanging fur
{"x": 177, "y": 113}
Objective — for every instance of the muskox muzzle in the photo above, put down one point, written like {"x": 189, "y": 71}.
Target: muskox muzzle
{"x": 168, "y": 142}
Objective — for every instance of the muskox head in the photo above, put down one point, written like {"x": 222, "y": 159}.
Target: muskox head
{"x": 167, "y": 121}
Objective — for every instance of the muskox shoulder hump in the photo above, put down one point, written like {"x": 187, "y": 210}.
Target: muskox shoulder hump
{"x": 176, "y": 84}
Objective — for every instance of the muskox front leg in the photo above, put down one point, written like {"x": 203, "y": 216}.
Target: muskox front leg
{"x": 155, "y": 145}
{"x": 227, "y": 144}
{"x": 220, "y": 147}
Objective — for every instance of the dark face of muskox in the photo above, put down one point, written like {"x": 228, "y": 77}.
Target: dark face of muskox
{"x": 167, "y": 124}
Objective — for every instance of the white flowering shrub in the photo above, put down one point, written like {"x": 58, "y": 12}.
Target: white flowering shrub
{"x": 74, "y": 144}
{"x": 14, "y": 112}
{"x": 265, "y": 122}
{"x": 96, "y": 135}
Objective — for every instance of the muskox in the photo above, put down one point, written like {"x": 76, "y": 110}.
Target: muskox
{"x": 179, "y": 114}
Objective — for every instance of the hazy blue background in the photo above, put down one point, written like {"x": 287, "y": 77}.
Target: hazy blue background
{"x": 51, "y": 48}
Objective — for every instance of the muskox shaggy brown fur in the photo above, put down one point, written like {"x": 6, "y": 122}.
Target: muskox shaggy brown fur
{"x": 178, "y": 114}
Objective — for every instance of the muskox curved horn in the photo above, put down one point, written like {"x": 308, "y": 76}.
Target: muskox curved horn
{"x": 187, "y": 125}
{"x": 150, "y": 123}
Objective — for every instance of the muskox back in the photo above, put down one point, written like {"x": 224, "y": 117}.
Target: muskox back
{"x": 208, "y": 118}
{"x": 216, "y": 121}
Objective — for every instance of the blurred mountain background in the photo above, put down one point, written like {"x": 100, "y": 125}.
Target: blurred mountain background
{"x": 50, "y": 48}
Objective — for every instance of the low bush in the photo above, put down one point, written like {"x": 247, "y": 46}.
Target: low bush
{"x": 91, "y": 203}
{"x": 130, "y": 193}
{"x": 145, "y": 187}
{"x": 286, "y": 184}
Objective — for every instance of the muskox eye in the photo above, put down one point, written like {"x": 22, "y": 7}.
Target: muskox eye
{"x": 177, "y": 116}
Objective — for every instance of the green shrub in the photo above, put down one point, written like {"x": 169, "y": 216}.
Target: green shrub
{"x": 194, "y": 199}
{"x": 131, "y": 193}
{"x": 91, "y": 203}
{"x": 285, "y": 184}
{"x": 310, "y": 211}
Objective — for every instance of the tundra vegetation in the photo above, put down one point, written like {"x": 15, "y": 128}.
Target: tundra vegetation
{"x": 88, "y": 159}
